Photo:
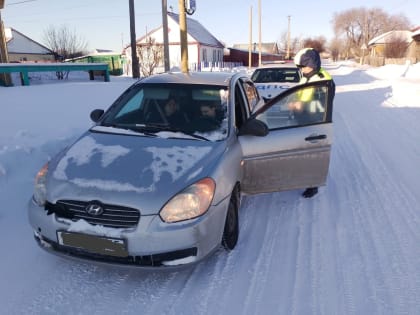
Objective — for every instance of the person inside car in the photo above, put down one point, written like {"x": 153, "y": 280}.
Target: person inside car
{"x": 209, "y": 119}
{"x": 173, "y": 116}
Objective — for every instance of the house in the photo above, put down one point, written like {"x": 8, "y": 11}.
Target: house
{"x": 268, "y": 48}
{"x": 378, "y": 45}
{"x": 23, "y": 49}
{"x": 112, "y": 58}
{"x": 240, "y": 53}
{"x": 203, "y": 48}
{"x": 242, "y": 56}
{"x": 416, "y": 38}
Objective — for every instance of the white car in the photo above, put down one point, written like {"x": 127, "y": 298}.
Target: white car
{"x": 271, "y": 80}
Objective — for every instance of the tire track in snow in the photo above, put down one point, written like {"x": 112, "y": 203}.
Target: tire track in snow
{"x": 352, "y": 277}
{"x": 365, "y": 261}
{"x": 266, "y": 258}
{"x": 367, "y": 222}
{"x": 398, "y": 214}
{"x": 398, "y": 268}
{"x": 302, "y": 264}
{"x": 73, "y": 282}
{"x": 149, "y": 291}
{"x": 335, "y": 296}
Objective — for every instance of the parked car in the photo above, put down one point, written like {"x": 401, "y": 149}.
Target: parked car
{"x": 272, "y": 79}
{"x": 136, "y": 190}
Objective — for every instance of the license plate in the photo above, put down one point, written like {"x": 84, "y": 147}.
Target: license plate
{"x": 94, "y": 244}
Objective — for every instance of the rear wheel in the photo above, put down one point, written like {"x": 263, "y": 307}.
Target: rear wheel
{"x": 231, "y": 230}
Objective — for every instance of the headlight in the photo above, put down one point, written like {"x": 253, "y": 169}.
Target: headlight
{"x": 190, "y": 203}
{"x": 40, "y": 190}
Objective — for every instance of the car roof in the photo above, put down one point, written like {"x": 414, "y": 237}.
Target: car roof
{"x": 201, "y": 78}
{"x": 277, "y": 65}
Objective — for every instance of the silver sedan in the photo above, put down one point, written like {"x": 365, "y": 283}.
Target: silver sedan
{"x": 157, "y": 181}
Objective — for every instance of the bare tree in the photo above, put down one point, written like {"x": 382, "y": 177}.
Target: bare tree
{"x": 336, "y": 48}
{"x": 358, "y": 26}
{"x": 282, "y": 43}
{"x": 396, "y": 47}
{"x": 64, "y": 42}
{"x": 315, "y": 43}
{"x": 150, "y": 56}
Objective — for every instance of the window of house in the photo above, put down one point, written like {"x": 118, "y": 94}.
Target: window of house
{"x": 204, "y": 55}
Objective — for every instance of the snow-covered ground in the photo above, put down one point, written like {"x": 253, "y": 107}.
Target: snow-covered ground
{"x": 352, "y": 249}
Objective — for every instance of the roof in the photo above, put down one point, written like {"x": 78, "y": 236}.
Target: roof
{"x": 207, "y": 78}
{"x": 278, "y": 64}
{"x": 98, "y": 51}
{"x": 198, "y": 32}
{"x": 391, "y": 35}
{"x": 270, "y": 48}
{"x": 254, "y": 52}
{"x": 18, "y": 43}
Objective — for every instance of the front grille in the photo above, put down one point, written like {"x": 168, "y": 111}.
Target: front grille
{"x": 112, "y": 216}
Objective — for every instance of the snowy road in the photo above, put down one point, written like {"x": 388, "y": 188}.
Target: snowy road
{"x": 352, "y": 249}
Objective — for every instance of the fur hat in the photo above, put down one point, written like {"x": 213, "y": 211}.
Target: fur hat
{"x": 308, "y": 57}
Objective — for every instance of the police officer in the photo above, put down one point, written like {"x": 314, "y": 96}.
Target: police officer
{"x": 309, "y": 62}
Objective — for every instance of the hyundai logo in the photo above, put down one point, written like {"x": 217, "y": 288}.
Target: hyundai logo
{"x": 94, "y": 209}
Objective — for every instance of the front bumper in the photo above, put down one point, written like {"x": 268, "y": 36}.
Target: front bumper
{"x": 152, "y": 243}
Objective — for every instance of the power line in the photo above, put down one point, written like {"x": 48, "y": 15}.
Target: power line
{"x": 20, "y": 2}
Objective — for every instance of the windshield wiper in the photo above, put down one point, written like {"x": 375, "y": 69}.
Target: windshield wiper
{"x": 151, "y": 129}
{"x": 166, "y": 127}
{"x": 131, "y": 128}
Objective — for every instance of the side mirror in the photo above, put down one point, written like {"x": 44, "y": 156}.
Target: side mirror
{"x": 254, "y": 127}
{"x": 96, "y": 114}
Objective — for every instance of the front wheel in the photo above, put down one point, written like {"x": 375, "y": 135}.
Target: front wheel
{"x": 231, "y": 230}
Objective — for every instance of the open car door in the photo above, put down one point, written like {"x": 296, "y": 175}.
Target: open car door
{"x": 296, "y": 151}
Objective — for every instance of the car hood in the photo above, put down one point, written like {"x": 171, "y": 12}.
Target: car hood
{"x": 131, "y": 170}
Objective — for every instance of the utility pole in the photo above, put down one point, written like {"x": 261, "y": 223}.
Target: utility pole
{"x": 259, "y": 33}
{"x": 250, "y": 39}
{"x": 4, "y": 58}
{"x": 183, "y": 36}
{"x": 288, "y": 38}
{"x": 134, "y": 58}
{"x": 165, "y": 35}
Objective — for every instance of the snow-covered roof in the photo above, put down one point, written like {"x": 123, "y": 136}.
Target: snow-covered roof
{"x": 271, "y": 48}
{"x": 198, "y": 32}
{"x": 416, "y": 33}
{"x": 391, "y": 35}
{"x": 18, "y": 43}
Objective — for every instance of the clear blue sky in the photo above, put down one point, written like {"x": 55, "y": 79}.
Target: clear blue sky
{"x": 105, "y": 23}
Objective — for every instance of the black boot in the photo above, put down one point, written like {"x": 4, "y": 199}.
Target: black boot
{"x": 310, "y": 192}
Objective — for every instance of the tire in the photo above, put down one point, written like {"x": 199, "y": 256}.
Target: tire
{"x": 231, "y": 229}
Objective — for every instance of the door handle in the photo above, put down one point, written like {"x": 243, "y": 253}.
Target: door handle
{"x": 315, "y": 137}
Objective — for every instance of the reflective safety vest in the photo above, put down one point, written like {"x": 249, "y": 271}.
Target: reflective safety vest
{"x": 306, "y": 95}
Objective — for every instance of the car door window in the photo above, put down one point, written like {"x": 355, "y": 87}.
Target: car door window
{"x": 251, "y": 94}
{"x": 240, "y": 106}
{"x": 302, "y": 105}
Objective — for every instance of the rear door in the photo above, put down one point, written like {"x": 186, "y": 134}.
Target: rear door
{"x": 296, "y": 152}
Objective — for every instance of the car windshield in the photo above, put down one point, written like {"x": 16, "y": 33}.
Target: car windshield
{"x": 198, "y": 110}
{"x": 267, "y": 75}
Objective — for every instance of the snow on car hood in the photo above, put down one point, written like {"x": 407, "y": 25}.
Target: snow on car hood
{"x": 131, "y": 170}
